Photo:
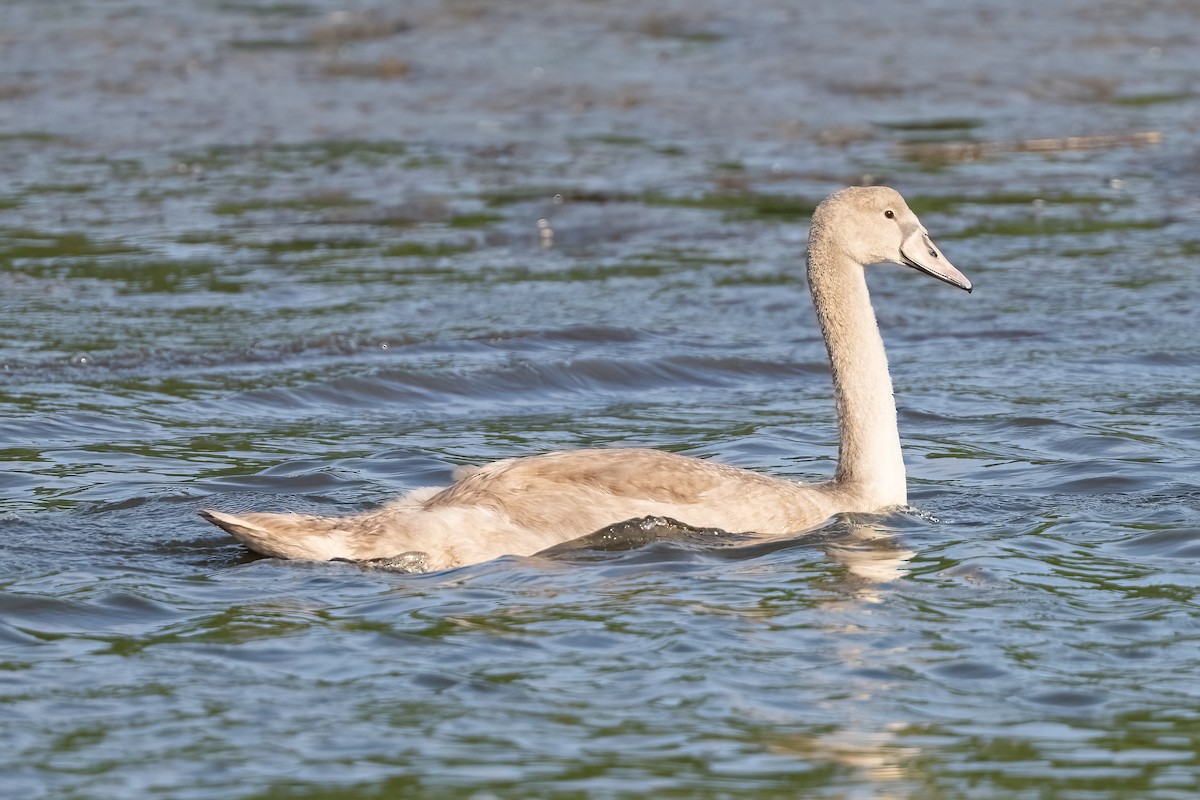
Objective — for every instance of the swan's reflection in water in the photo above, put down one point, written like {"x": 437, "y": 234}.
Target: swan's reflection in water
{"x": 873, "y": 755}
{"x": 873, "y": 557}
{"x": 869, "y": 550}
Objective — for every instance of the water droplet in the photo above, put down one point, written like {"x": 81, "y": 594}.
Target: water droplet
{"x": 1116, "y": 184}
{"x": 537, "y": 73}
{"x": 558, "y": 199}
{"x": 383, "y": 345}
{"x": 81, "y": 360}
{"x": 543, "y": 224}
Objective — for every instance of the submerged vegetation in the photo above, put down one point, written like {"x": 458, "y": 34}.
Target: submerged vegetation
{"x": 342, "y": 228}
{"x": 1036, "y": 226}
{"x": 284, "y": 157}
{"x": 742, "y": 205}
{"x": 923, "y": 204}
{"x": 425, "y": 250}
{"x": 937, "y": 124}
{"x": 309, "y": 203}
{"x": 29, "y": 244}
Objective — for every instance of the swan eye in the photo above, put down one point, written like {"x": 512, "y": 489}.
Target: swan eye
{"x": 890, "y": 214}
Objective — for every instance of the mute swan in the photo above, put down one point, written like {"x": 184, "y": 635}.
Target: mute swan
{"x": 523, "y": 505}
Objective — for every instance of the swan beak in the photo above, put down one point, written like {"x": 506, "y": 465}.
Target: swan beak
{"x": 920, "y": 253}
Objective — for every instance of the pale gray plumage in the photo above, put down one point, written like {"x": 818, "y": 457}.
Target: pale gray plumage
{"x": 520, "y": 506}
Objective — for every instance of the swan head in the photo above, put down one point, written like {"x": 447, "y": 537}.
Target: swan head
{"x": 874, "y": 225}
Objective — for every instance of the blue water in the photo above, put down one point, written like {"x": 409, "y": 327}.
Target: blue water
{"x": 265, "y": 256}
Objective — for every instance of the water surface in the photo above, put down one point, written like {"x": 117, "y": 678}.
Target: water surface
{"x": 284, "y": 256}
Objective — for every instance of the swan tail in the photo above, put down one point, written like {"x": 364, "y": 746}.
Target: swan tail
{"x": 294, "y": 536}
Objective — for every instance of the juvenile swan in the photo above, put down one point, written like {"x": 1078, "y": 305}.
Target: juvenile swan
{"x": 523, "y": 505}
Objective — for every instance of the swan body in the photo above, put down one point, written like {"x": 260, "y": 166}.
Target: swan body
{"x": 523, "y": 505}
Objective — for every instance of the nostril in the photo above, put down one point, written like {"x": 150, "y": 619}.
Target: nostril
{"x": 933, "y": 253}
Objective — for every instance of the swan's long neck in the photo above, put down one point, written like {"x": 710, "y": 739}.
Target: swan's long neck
{"x": 870, "y": 464}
